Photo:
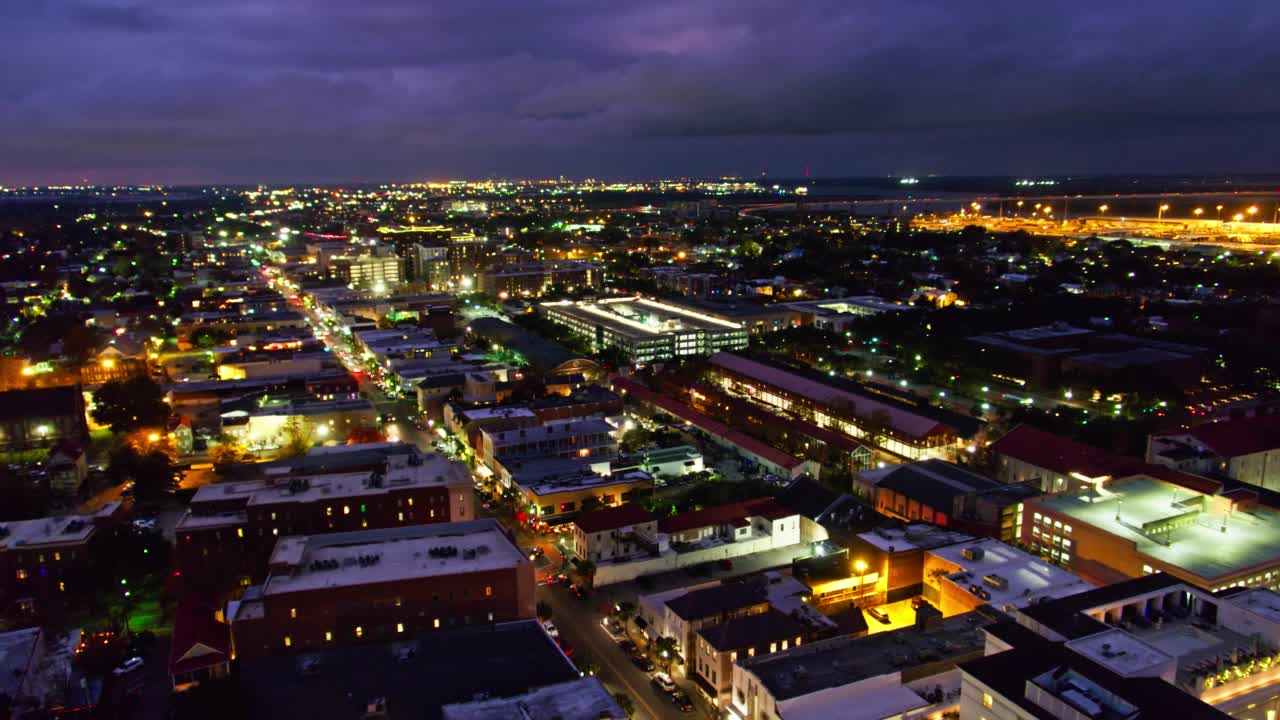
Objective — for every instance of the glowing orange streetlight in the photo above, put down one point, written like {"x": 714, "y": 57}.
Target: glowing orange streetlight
{"x": 1160, "y": 215}
{"x": 1103, "y": 208}
{"x": 1219, "y": 209}
{"x": 1198, "y": 211}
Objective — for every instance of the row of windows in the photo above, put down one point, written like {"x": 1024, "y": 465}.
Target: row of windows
{"x": 359, "y": 631}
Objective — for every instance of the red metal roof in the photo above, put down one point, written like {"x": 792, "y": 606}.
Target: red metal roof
{"x": 1064, "y": 455}
{"x": 612, "y": 518}
{"x": 1242, "y": 436}
{"x": 707, "y": 424}
{"x": 735, "y": 514}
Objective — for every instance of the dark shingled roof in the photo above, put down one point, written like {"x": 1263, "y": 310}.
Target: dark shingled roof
{"x": 41, "y": 402}
{"x": 499, "y": 661}
{"x": 935, "y": 482}
{"x": 612, "y": 518}
{"x": 715, "y": 600}
{"x": 753, "y": 631}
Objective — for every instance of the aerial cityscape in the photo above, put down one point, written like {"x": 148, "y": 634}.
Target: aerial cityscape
{"x": 397, "y": 361}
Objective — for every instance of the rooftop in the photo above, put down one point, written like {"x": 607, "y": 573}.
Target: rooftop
{"x": 586, "y": 480}
{"x": 499, "y": 661}
{"x": 1121, "y": 653}
{"x": 1207, "y": 536}
{"x": 612, "y": 518}
{"x": 731, "y": 513}
{"x": 1025, "y": 578}
{"x": 316, "y": 562}
{"x": 753, "y": 631}
{"x": 710, "y": 601}
{"x": 52, "y": 532}
{"x": 581, "y": 699}
{"x": 912, "y": 537}
{"x": 933, "y": 482}
{"x": 841, "y": 661}
{"x": 641, "y": 317}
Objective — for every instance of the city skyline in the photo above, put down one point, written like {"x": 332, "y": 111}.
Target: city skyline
{"x": 236, "y": 92}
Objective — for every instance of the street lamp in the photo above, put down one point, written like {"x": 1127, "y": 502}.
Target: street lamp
{"x": 1160, "y": 215}
{"x": 1253, "y": 210}
{"x": 861, "y": 566}
{"x": 1102, "y": 209}
{"x": 1198, "y": 212}
{"x": 1219, "y": 209}
{"x": 1237, "y": 217}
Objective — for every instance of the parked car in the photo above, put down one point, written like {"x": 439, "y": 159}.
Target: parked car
{"x": 612, "y": 627}
{"x": 663, "y": 682}
{"x": 642, "y": 662}
{"x": 128, "y": 666}
{"x": 682, "y": 701}
{"x": 627, "y": 647}
{"x": 551, "y": 629}
{"x": 879, "y": 615}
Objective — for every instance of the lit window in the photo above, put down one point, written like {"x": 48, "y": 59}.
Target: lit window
{"x": 22, "y": 574}
{"x": 400, "y": 517}
{"x": 410, "y": 502}
{"x": 346, "y": 509}
{"x": 399, "y": 627}
{"x": 329, "y": 511}
{"x": 328, "y": 636}
{"x": 987, "y": 700}
{"x": 435, "y": 623}
{"x": 359, "y": 631}
{"x": 239, "y": 532}
{"x": 293, "y": 613}
{"x": 773, "y": 647}
{"x": 57, "y": 557}
{"x": 61, "y": 586}
{"x": 488, "y": 591}
{"x": 362, "y": 507}
{"x": 288, "y": 641}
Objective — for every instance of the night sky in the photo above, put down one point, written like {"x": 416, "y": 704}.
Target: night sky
{"x": 188, "y": 91}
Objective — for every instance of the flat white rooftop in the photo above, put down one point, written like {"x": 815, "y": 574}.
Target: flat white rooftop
{"x": 317, "y": 562}
{"x": 435, "y": 471}
{"x": 51, "y": 531}
{"x": 1029, "y": 579}
{"x": 1121, "y": 652}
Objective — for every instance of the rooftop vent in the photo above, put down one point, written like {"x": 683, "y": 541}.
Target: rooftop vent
{"x": 973, "y": 553}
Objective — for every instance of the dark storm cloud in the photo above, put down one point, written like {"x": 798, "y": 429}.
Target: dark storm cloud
{"x": 247, "y": 90}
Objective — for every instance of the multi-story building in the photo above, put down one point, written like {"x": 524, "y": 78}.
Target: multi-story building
{"x": 268, "y": 426}
{"x": 378, "y": 273}
{"x": 1148, "y": 647}
{"x": 1243, "y": 449}
{"x": 588, "y": 438}
{"x": 613, "y": 532}
{"x": 942, "y": 493}
{"x": 839, "y": 314}
{"x": 962, "y": 577}
{"x": 554, "y": 499}
{"x": 892, "y": 426}
{"x": 231, "y": 528}
{"x": 47, "y": 560}
{"x": 42, "y": 418}
{"x": 535, "y": 278}
{"x": 1133, "y": 526}
{"x": 645, "y": 330}
{"x": 904, "y": 673}
{"x": 376, "y": 585}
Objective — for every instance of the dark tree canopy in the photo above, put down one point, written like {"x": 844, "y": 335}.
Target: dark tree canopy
{"x": 130, "y": 404}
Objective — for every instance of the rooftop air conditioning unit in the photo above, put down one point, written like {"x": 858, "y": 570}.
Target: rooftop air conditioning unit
{"x": 972, "y": 553}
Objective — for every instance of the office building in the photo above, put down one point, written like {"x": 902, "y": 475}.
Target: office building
{"x": 377, "y": 585}
{"x": 536, "y": 278}
{"x": 1129, "y": 527}
{"x": 945, "y": 494}
{"x": 644, "y": 330}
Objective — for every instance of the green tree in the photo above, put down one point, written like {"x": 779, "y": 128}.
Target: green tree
{"x": 153, "y": 473}
{"x": 296, "y": 438}
{"x": 543, "y": 611}
{"x": 130, "y": 404}
{"x": 667, "y": 650}
{"x": 230, "y": 454}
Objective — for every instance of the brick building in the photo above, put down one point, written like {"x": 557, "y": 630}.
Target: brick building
{"x": 377, "y": 585}
{"x": 49, "y": 558}
{"x": 231, "y": 528}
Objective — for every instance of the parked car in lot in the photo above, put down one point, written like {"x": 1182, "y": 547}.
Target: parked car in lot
{"x": 551, "y": 629}
{"x": 879, "y": 615}
{"x": 663, "y": 682}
